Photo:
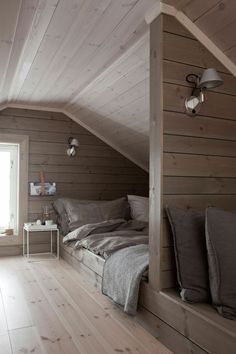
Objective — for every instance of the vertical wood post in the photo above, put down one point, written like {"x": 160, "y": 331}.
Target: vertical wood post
{"x": 156, "y": 151}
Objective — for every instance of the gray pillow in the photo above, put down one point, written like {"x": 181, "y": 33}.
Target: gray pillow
{"x": 221, "y": 248}
{"x": 139, "y": 207}
{"x": 188, "y": 228}
{"x": 80, "y": 213}
{"x": 62, "y": 217}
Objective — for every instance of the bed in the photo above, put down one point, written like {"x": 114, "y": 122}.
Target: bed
{"x": 107, "y": 243}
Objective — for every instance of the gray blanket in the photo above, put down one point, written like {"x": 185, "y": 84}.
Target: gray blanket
{"x": 109, "y": 236}
{"x": 110, "y": 242}
{"x": 122, "y": 274}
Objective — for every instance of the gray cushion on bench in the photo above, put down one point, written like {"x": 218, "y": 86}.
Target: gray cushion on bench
{"x": 188, "y": 228}
{"x": 221, "y": 246}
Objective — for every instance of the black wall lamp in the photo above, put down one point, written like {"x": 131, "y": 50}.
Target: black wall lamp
{"x": 73, "y": 143}
{"x": 208, "y": 80}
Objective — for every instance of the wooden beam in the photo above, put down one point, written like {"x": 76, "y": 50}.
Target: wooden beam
{"x": 156, "y": 150}
{"x": 160, "y": 8}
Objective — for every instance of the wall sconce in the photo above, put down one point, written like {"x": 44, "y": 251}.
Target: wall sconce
{"x": 72, "y": 145}
{"x": 209, "y": 79}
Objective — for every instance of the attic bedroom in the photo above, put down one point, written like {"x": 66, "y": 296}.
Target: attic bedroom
{"x": 118, "y": 179}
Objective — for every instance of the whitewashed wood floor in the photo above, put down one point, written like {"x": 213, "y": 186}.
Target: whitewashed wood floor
{"x": 48, "y": 307}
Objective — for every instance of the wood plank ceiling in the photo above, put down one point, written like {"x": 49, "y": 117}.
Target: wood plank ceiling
{"x": 90, "y": 58}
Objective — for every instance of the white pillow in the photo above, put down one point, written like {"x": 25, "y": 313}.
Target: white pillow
{"x": 139, "y": 207}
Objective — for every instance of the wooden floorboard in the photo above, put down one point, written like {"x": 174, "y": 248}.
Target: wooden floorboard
{"x": 47, "y": 307}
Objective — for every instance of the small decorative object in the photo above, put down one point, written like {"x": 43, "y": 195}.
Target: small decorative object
{"x": 47, "y": 188}
{"x": 48, "y": 222}
{"x": 38, "y": 222}
{"x": 72, "y": 145}
{"x": 46, "y": 215}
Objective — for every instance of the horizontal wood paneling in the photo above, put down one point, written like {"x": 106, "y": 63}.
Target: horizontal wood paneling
{"x": 30, "y": 113}
{"x": 199, "y": 146}
{"x": 188, "y": 51}
{"x": 88, "y": 169}
{"x": 87, "y": 178}
{"x": 97, "y": 171}
{"x": 175, "y": 27}
{"x": 182, "y": 124}
{"x": 201, "y": 202}
{"x": 199, "y": 158}
{"x": 39, "y": 124}
{"x": 54, "y": 137}
{"x": 40, "y": 159}
{"x": 199, "y": 165}
{"x": 175, "y": 72}
{"x": 217, "y": 105}
{"x": 199, "y": 185}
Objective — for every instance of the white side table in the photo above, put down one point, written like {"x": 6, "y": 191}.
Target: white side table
{"x": 27, "y": 229}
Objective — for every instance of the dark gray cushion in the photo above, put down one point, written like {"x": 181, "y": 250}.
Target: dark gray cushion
{"x": 221, "y": 247}
{"x": 87, "y": 213}
{"x": 188, "y": 228}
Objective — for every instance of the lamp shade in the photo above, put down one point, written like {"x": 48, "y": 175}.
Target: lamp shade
{"x": 73, "y": 141}
{"x": 210, "y": 79}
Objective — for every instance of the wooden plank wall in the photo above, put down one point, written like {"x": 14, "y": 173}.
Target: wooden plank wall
{"x": 97, "y": 172}
{"x": 199, "y": 152}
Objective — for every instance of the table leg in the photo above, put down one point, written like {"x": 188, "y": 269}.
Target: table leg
{"x": 57, "y": 244}
{"x": 51, "y": 241}
{"x": 27, "y": 244}
{"x": 23, "y": 241}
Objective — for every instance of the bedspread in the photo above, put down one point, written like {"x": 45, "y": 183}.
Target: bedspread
{"x": 107, "y": 237}
{"x": 122, "y": 274}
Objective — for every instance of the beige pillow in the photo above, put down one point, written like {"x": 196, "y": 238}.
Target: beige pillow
{"x": 139, "y": 207}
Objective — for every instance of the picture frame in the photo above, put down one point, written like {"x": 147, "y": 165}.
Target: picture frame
{"x": 42, "y": 189}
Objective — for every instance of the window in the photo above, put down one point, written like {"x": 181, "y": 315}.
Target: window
{"x": 14, "y": 167}
{"x": 9, "y": 186}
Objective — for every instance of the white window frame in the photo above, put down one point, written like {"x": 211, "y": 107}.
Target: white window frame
{"x": 14, "y": 150}
{"x": 22, "y": 203}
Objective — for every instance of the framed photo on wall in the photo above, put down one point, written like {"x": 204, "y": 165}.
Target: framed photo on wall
{"x": 46, "y": 188}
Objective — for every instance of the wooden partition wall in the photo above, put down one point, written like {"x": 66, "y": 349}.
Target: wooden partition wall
{"x": 198, "y": 153}
{"x": 192, "y": 165}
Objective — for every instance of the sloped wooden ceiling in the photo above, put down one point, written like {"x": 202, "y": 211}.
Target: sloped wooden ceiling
{"x": 88, "y": 57}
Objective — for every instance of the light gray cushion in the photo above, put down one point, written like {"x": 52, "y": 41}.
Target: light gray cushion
{"x": 80, "y": 213}
{"x": 221, "y": 247}
{"x": 139, "y": 207}
{"x": 188, "y": 228}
